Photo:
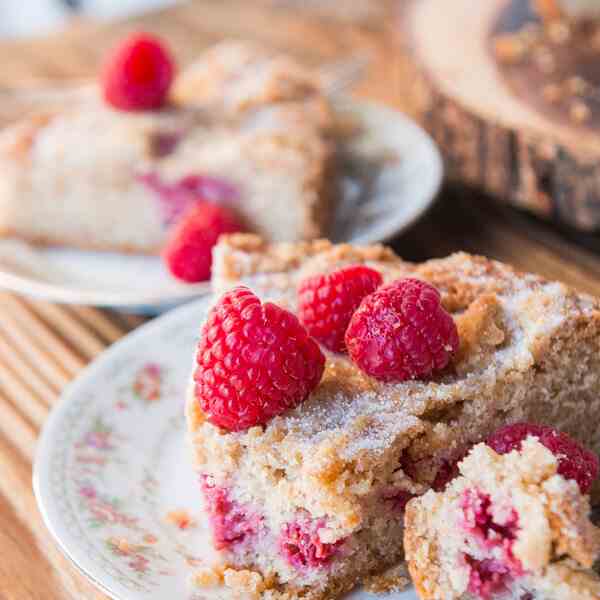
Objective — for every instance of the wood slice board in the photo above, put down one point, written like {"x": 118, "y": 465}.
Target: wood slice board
{"x": 490, "y": 136}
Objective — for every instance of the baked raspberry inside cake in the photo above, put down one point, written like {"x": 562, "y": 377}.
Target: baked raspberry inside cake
{"x": 510, "y": 526}
{"x": 315, "y": 496}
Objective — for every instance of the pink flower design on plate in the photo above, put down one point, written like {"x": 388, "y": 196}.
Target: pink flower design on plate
{"x": 104, "y": 510}
{"x": 139, "y": 563}
{"x": 99, "y": 440}
{"x": 99, "y": 437}
{"x": 139, "y": 556}
{"x": 87, "y": 491}
{"x": 147, "y": 384}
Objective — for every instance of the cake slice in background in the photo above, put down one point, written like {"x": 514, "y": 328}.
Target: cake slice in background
{"x": 107, "y": 174}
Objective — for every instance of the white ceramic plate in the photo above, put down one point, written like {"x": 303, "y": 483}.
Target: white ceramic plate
{"x": 112, "y": 462}
{"x": 393, "y": 198}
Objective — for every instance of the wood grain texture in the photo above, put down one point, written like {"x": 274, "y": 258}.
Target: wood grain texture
{"x": 490, "y": 136}
{"x": 42, "y": 346}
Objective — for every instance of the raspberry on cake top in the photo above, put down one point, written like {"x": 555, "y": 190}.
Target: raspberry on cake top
{"x": 138, "y": 75}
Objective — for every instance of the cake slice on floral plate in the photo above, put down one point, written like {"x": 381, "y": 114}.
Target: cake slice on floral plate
{"x": 335, "y": 383}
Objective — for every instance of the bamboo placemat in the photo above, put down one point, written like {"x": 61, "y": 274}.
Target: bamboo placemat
{"x": 43, "y": 346}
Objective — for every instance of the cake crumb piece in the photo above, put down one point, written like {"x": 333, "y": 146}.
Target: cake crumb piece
{"x": 244, "y": 583}
{"x": 181, "y": 518}
{"x": 395, "y": 579}
{"x": 121, "y": 545}
{"x": 208, "y": 577}
{"x": 230, "y": 584}
{"x": 480, "y": 331}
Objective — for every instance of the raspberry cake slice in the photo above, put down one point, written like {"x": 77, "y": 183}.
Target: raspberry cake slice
{"x": 312, "y": 500}
{"x": 510, "y": 526}
{"x": 116, "y": 176}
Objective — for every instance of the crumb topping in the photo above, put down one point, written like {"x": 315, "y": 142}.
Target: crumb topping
{"x": 504, "y": 318}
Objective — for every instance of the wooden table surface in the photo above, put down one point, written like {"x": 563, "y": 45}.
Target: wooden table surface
{"x": 43, "y": 346}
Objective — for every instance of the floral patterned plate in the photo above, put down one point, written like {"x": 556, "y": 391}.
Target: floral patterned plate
{"x": 391, "y": 172}
{"x": 112, "y": 463}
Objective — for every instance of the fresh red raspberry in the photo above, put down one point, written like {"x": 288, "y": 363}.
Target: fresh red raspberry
{"x": 301, "y": 546}
{"x": 188, "y": 250}
{"x": 327, "y": 302}
{"x": 402, "y": 332}
{"x": 574, "y": 461}
{"x": 254, "y": 362}
{"x": 138, "y": 74}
